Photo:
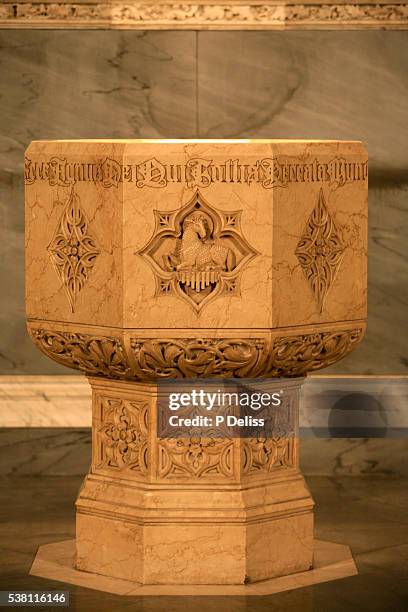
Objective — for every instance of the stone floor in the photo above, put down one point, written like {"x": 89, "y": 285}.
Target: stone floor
{"x": 368, "y": 513}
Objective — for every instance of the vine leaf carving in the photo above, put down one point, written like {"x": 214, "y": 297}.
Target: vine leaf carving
{"x": 73, "y": 249}
{"x": 94, "y": 355}
{"x": 320, "y": 251}
{"x": 204, "y": 358}
{"x": 155, "y": 358}
{"x": 235, "y": 358}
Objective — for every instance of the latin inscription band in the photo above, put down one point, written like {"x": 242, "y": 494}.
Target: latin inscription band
{"x": 196, "y": 172}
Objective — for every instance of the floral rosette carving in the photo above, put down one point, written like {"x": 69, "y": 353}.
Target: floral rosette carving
{"x": 123, "y": 435}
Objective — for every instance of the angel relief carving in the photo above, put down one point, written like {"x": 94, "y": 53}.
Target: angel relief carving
{"x": 197, "y": 253}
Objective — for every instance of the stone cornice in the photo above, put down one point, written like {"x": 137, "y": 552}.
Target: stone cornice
{"x": 203, "y": 15}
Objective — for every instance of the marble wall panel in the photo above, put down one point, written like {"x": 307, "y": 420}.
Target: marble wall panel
{"x": 340, "y": 85}
{"x": 384, "y": 349}
{"x": 350, "y": 85}
{"x": 345, "y": 84}
{"x": 45, "y": 425}
{"x": 67, "y": 84}
{"x": 61, "y": 451}
{"x": 43, "y": 451}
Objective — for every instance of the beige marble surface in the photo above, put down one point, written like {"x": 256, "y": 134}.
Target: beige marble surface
{"x": 272, "y": 290}
{"x": 44, "y": 401}
{"x": 65, "y": 401}
{"x": 57, "y": 562}
{"x": 165, "y": 84}
{"x": 197, "y": 511}
{"x": 48, "y": 419}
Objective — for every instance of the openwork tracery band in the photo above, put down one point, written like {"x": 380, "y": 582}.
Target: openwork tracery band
{"x": 155, "y": 359}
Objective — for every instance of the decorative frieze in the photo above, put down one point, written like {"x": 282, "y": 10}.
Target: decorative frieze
{"x": 127, "y": 439}
{"x": 206, "y": 357}
{"x": 204, "y": 15}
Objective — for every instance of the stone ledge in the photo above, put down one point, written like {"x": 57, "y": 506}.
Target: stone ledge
{"x": 56, "y": 562}
{"x": 65, "y": 401}
{"x": 45, "y": 401}
{"x": 204, "y": 15}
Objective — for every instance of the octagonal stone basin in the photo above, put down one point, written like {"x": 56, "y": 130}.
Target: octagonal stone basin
{"x": 167, "y": 259}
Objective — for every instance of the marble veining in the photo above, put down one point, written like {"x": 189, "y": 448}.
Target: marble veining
{"x": 78, "y": 85}
{"x": 45, "y": 426}
{"x": 167, "y": 84}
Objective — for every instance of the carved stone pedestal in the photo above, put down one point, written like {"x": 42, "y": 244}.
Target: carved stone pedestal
{"x": 188, "y": 511}
{"x": 155, "y": 260}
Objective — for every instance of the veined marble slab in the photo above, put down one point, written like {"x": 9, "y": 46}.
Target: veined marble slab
{"x": 45, "y": 401}
{"x": 45, "y": 426}
{"x": 343, "y": 84}
{"x": 331, "y": 406}
{"x": 328, "y": 85}
{"x": 60, "y": 84}
{"x": 354, "y": 406}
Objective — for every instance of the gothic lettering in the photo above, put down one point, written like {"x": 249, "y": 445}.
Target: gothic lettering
{"x": 200, "y": 173}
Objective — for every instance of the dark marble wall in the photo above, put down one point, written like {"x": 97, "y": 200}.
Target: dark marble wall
{"x": 85, "y": 84}
{"x": 63, "y": 451}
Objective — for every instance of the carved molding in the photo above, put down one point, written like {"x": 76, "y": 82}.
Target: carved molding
{"x": 124, "y": 439}
{"x": 94, "y": 355}
{"x": 153, "y": 359}
{"x": 236, "y": 358}
{"x": 252, "y": 14}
